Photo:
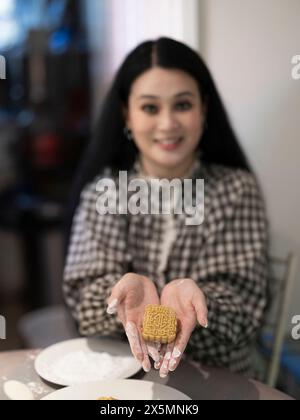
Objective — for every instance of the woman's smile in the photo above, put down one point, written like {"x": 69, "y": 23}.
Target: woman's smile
{"x": 170, "y": 144}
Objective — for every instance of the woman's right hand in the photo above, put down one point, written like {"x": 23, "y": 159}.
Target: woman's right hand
{"x": 128, "y": 298}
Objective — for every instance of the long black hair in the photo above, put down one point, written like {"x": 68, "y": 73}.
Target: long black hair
{"x": 110, "y": 147}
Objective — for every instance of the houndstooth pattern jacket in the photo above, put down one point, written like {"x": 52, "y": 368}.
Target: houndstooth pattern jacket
{"x": 226, "y": 255}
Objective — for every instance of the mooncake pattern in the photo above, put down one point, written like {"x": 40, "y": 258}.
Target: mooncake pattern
{"x": 159, "y": 324}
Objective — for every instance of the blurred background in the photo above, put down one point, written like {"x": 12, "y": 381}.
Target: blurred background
{"x": 60, "y": 57}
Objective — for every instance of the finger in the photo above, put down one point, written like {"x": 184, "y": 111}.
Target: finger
{"x": 179, "y": 346}
{"x": 164, "y": 369}
{"x": 112, "y": 306}
{"x": 153, "y": 350}
{"x": 157, "y": 365}
{"x": 162, "y": 353}
{"x": 146, "y": 361}
{"x": 134, "y": 341}
{"x": 117, "y": 295}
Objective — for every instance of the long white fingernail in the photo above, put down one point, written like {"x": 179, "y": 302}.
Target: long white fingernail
{"x": 204, "y": 323}
{"x": 112, "y": 307}
{"x": 168, "y": 355}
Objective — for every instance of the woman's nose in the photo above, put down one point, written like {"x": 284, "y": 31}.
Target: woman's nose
{"x": 168, "y": 121}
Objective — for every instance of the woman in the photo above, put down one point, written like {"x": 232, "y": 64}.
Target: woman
{"x": 163, "y": 119}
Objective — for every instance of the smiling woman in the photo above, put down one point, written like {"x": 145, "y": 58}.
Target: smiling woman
{"x": 166, "y": 124}
{"x": 163, "y": 118}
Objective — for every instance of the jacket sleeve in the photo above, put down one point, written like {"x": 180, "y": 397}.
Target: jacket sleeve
{"x": 232, "y": 270}
{"x": 97, "y": 258}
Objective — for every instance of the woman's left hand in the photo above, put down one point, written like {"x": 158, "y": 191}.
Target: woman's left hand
{"x": 187, "y": 299}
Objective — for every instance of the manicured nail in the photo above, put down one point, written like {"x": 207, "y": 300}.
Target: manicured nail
{"x": 163, "y": 374}
{"x": 168, "y": 355}
{"x": 204, "y": 323}
{"x": 112, "y": 307}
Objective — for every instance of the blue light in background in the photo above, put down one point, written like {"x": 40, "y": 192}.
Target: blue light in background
{"x": 60, "y": 40}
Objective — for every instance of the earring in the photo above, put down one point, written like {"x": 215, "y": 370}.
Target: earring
{"x": 128, "y": 133}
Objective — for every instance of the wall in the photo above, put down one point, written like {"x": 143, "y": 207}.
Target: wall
{"x": 249, "y": 45}
{"x": 116, "y": 27}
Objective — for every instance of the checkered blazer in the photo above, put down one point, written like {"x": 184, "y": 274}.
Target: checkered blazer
{"x": 226, "y": 255}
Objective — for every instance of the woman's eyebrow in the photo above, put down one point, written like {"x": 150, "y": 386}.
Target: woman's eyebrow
{"x": 187, "y": 93}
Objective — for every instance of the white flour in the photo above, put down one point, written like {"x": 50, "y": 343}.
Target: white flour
{"x": 81, "y": 366}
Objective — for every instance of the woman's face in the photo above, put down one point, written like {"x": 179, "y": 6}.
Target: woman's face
{"x": 166, "y": 116}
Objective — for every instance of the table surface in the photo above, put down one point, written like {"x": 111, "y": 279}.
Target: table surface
{"x": 195, "y": 380}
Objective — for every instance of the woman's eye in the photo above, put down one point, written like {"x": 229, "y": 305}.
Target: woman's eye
{"x": 184, "y": 105}
{"x": 149, "y": 108}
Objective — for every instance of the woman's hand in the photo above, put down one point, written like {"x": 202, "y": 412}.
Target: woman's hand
{"x": 129, "y": 298}
{"x": 187, "y": 299}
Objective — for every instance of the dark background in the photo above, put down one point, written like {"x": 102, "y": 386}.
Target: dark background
{"x": 45, "y": 124}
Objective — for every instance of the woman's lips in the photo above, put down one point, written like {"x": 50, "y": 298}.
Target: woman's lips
{"x": 169, "y": 145}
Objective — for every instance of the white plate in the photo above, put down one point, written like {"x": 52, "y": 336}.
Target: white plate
{"x": 126, "y": 389}
{"x": 47, "y": 362}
